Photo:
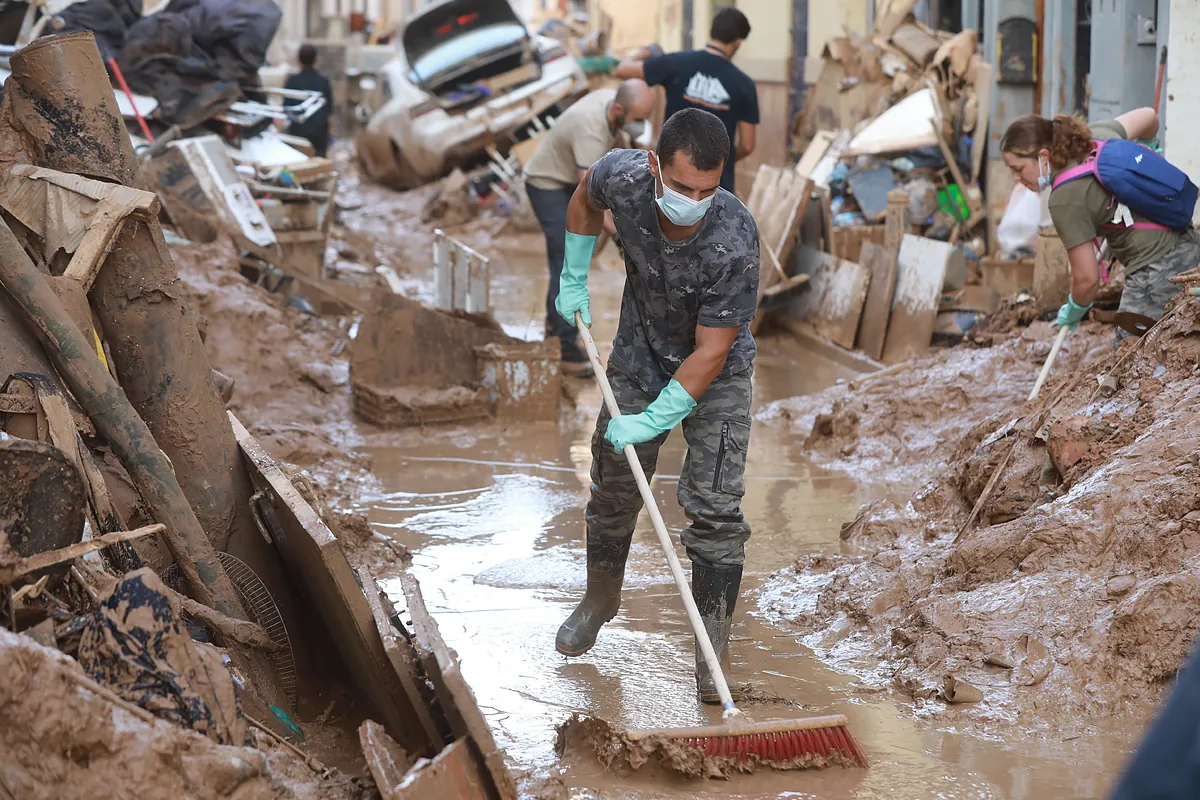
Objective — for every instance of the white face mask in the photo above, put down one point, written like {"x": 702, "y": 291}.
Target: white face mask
{"x": 1043, "y": 173}
{"x": 681, "y": 209}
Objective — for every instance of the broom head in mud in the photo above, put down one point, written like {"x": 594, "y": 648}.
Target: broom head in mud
{"x": 717, "y": 751}
{"x": 785, "y": 744}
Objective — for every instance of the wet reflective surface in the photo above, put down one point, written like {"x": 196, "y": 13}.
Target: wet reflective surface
{"x": 494, "y": 517}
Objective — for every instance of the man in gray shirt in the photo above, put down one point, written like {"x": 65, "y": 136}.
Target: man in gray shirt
{"x": 683, "y": 353}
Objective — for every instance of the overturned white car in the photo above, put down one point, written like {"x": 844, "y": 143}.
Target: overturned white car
{"x": 470, "y": 74}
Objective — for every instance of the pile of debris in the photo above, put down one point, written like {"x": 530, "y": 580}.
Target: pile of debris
{"x": 886, "y": 196}
{"x": 165, "y": 588}
{"x": 905, "y": 108}
{"x": 1051, "y": 559}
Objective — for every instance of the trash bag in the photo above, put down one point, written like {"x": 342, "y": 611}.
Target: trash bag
{"x": 136, "y": 645}
{"x": 196, "y": 56}
{"x": 109, "y": 20}
{"x": 1018, "y": 228}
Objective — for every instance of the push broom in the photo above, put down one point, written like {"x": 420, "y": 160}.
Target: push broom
{"x": 783, "y": 744}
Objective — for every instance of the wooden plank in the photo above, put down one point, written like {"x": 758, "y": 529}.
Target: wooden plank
{"x": 454, "y": 695}
{"x": 920, "y": 273}
{"x": 71, "y": 552}
{"x": 878, "y": 310}
{"x": 401, "y": 656}
{"x": 452, "y": 775}
{"x": 315, "y": 560}
{"x": 815, "y": 152}
{"x": 386, "y": 761}
{"x": 390, "y": 278}
{"x": 983, "y": 94}
{"x": 834, "y": 300}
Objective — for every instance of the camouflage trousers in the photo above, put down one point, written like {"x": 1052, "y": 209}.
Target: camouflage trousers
{"x": 1149, "y": 289}
{"x": 711, "y": 482}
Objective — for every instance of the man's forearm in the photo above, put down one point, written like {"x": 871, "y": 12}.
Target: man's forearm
{"x": 741, "y": 151}
{"x": 582, "y": 217}
{"x": 699, "y": 370}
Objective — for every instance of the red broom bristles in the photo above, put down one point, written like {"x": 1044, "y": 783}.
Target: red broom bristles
{"x": 784, "y": 747}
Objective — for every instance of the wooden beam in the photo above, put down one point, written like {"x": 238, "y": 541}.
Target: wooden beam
{"x": 71, "y": 552}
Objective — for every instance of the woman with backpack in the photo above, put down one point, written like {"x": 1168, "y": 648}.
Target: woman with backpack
{"x": 1105, "y": 186}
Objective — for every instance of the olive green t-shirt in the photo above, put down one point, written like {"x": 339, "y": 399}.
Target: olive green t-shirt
{"x": 1081, "y": 208}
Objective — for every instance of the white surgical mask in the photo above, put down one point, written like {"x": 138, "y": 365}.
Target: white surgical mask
{"x": 681, "y": 209}
{"x": 636, "y": 128}
{"x": 1043, "y": 173}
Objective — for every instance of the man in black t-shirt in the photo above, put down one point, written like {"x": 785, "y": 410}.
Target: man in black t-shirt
{"x": 707, "y": 79}
{"x": 316, "y": 127}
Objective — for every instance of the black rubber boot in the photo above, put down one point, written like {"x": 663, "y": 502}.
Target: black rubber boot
{"x": 605, "y": 574}
{"x": 715, "y": 590}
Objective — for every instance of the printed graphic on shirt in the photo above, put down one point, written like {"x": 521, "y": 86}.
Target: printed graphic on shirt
{"x": 707, "y": 91}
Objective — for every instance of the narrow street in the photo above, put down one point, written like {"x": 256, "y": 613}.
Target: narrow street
{"x": 494, "y": 519}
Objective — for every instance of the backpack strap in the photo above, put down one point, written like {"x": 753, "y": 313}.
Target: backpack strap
{"x": 1151, "y": 226}
{"x": 1088, "y": 167}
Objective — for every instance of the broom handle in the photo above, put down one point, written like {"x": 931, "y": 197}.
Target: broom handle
{"x": 660, "y": 528}
{"x": 1058, "y": 342}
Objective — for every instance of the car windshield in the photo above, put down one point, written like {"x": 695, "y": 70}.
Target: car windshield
{"x": 468, "y": 45}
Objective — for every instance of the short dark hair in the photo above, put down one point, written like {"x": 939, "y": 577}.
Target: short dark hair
{"x": 699, "y": 134}
{"x": 308, "y": 55}
{"x": 729, "y": 25}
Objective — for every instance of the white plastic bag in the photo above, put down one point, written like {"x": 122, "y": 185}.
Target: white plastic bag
{"x": 1019, "y": 226}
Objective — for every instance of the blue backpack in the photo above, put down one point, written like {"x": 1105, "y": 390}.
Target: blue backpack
{"x": 1141, "y": 179}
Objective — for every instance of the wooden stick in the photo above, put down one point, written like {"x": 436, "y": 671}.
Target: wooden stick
{"x": 729, "y": 710}
{"x": 107, "y": 694}
{"x": 1058, "y": 343}
{"x": 241, "y": 631}
{"x": 71, "y": 552}
{"x": 312, "y": 763}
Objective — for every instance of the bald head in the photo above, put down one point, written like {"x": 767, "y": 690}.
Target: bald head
{"x": 636, "y": 99}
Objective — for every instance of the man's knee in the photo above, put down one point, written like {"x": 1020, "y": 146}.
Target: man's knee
{"x": 725, "y": 548}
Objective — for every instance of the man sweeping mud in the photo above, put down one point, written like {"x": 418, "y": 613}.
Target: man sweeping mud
{"x": 683, "y": 353}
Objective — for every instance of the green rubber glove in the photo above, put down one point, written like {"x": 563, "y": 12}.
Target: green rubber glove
{"x": 1071, "y": 312}
{"x": 572, "y": 284}
{"x": 668, "y": 410}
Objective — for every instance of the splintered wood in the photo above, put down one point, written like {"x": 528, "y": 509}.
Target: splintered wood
{"x": 778, "y": 201}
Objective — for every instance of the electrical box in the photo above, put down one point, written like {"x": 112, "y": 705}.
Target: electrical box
{"x": 1124, "y": 57}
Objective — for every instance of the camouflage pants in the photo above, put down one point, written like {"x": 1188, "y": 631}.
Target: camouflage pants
{"x": 711, "y": 482}
{"x": 1148, "y": 290}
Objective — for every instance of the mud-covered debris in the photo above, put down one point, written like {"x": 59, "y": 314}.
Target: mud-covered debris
{"x": 956, "y": 690}
{"x": 452, "y": 204}
{"x": 137, "y": 646}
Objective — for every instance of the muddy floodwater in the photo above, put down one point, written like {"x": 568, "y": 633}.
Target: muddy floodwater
{"x": 494, "y": 518}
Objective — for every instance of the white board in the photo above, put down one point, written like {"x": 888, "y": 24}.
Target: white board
{"x": 920, "y": 273}
{"x": 905, "y": 126}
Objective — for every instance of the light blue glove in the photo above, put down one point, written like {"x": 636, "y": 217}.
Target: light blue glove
{"x": 1070, "y": 314}
{"x": 668, "y": 410}
{"x": 572, "y": 284}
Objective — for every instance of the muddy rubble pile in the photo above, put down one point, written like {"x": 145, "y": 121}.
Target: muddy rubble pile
{"x": 895, "y": 425}
{"x": 1072, "y": 587}
{"x": 289, "y": 372}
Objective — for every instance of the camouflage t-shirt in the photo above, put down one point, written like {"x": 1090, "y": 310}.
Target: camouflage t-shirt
{"x": 709, "y": 279}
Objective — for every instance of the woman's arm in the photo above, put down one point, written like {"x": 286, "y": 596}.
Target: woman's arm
{"x": 1085, "y": 273}
{"x": 1141, "y": 123}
